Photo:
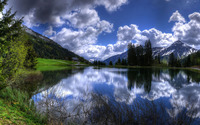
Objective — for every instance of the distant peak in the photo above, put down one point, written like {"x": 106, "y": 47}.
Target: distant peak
{"x": 178, "y": 42}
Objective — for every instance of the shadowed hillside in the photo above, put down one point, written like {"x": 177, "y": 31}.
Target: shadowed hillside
{"x": 47, "y": 48}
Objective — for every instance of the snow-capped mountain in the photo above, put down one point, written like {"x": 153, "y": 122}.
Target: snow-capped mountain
{"x": 179, "y": 49}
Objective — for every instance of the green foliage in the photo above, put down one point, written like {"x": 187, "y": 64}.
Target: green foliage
{"x": 16, "y": 108}
{"x": 131, "y": 54}
{"x": 118, "y": 62}
{"x": 30, "y": 60}
{"x": 10, "y": 31}
{"x": 124, "y": 62}
{"x": 110, "y": 63}
{"x": 140, "y": 56}
{"x": 148, "y": 53}
{"x": 173, "y": 61}
{"x": 15, "y": 50}
{"x": 192, "y": 60}
{"x": 157, "y": 59}
{"x": 121, "y": 62}
{"x": 98, "y": 63}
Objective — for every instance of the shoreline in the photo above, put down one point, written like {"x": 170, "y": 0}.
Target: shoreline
{"x": 160, "y": 67}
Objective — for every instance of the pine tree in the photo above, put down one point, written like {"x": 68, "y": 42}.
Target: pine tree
{"x": 171, "y": 60}
{"x": 10, "y": 45}
{"x": 119, "y": 61}
{"x": 132, "y": 60}
{"x": 159, "y": 58}
{"x": 129, "y": 54}
{"x": 14, "y": 51}
{"x": 30, "y": 60}
{"x": 139, "y": 55}
{"x": 110, "y": 63}
{"x": 148, "y": 53}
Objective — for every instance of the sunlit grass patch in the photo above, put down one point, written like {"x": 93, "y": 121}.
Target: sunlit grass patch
{"x": 53, "y": 62}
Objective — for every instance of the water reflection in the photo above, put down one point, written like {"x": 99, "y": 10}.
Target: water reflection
{"x": 179, "y": 88}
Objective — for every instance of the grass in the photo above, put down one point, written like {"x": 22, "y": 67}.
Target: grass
{"x": 56, "y": 64}
{"x": 16, "y": 108}
{"x": 11, "y": 114}
{"x": 53, "y": 64}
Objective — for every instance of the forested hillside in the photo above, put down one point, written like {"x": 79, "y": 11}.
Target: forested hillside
{"x": 192, "y": 60}
{"x": 47, "y": 48}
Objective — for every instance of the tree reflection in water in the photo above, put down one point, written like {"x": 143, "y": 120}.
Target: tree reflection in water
{"x": 123, "y": 96}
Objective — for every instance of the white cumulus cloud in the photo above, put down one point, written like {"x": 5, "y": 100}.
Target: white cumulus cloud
{"x": 176, "y": 16}
{"x": 158, "y": 38}
{"x": 49, "y": 31}
{"x": 189, "y": 32}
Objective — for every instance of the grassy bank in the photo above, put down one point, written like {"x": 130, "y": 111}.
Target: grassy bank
{"x": 16, "y": 108}
{"x": 15, "y": 104}
{"x": 55, "y": 64}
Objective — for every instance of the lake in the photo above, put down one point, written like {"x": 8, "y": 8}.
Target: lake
{"x": 120, "y": 96}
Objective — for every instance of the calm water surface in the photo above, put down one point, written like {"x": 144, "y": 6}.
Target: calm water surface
{"x": 174, "y": 88}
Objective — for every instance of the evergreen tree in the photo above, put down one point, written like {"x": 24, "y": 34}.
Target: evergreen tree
{"x": 148, "y": 53}
{"x": 30, "y": 60}
{"x": 131, "y": 54}
{"x": 139, "y": 55}
{"x": 171, "y": 60}
{"x": 178, "y": 63}
{"x": 125, "y": 62}
{"x": 12, "y": 47}
{"x": 110, "y": 63}
{"x": 188, "y": 62}
{"x": 159, "y": 58}
{"x": 118, "y": 62}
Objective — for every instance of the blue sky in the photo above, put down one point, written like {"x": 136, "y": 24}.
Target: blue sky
{"x": 99, "y": 29}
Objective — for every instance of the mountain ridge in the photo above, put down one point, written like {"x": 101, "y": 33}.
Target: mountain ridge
{"x": 179, "y": 49}
{"x": 49, "y": 49}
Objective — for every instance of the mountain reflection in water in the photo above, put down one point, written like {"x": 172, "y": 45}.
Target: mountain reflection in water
{"x": 176, "y": 88}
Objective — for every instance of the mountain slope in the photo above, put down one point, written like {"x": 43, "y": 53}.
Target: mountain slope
{"x": 179, "y": 49}
{"x": 116, "y": 57}
{"x": 47, "y": 48}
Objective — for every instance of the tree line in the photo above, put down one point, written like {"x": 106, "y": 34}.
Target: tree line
{"x": 99, "y": 63}
{"x": 141, "y": 56}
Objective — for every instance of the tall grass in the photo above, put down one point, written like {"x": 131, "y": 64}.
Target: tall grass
{"x": 20, "y": 101}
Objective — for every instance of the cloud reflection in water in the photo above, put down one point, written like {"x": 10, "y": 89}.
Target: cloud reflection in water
{"x": 126, "y": 85}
